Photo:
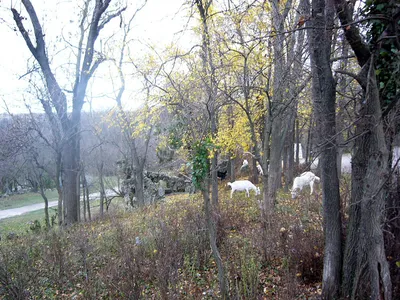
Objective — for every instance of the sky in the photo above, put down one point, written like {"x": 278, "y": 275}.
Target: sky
{"x": 159, "y": 23}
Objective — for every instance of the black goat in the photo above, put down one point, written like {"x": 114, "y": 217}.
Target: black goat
{"x": 221, "y": 174}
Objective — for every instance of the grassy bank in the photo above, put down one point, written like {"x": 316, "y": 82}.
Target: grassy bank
{"x": 15, "y": 201}
{"x": 22, "y": 224}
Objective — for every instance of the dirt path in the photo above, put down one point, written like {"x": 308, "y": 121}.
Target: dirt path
{"x": 7, "y": 213}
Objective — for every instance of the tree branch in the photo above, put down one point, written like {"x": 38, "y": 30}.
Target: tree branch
{"x": 360, "y": 79}
{"x": 352, "y": 33}
{"x": 110, "y": 17}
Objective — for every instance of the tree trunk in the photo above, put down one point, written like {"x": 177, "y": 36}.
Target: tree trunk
{"x": 84, "y": 196}
{"x": 291, "y": 165}
{"x": 102, "y": 190}
{"x": 298, "y": 145}
{"x": 358, "y": 171}
{"x": 139, "y": 187}
{"x": 275, "y": 165}
{"x": 71, "y": 180}
{"x": 212, "y": 233}
{"x": 254, "y": 170}
{"x": 367, "y": 274}
{"x": 214, "y": 163}
{"x": 60, "y": 211}
{"x": 88, "y": 201}
{"x": 279, "y": 128}
{"x": 268, "y": 203}
{"x": 324, "y": 109}
{"x": 342, "y": 86}
{"x": 211, "y": 104}
{"x": 231, "y": 169}
{"x": 46, "y": 206}
{"x": 364, "y": 250}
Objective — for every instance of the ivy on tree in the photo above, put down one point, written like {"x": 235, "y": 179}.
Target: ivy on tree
{"x": 201, "y": 160}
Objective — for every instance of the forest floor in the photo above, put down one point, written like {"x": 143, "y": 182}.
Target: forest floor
{"x": 162, "y": 251}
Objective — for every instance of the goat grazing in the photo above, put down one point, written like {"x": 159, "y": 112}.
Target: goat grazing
{"x": 243, "y": 185}
{"x": 307, "y": 178}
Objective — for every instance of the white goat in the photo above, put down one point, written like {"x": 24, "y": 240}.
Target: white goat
{"x": 260, "y": 170}
{"x": 243, "y": 185}
{"x": 307, "y": 178}
{"x": 245, "y": 163}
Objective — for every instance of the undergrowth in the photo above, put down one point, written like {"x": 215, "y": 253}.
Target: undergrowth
{"x": 162, "y": 252}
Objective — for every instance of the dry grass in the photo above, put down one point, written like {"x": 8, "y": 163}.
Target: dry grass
{"x": 101, "y": 259}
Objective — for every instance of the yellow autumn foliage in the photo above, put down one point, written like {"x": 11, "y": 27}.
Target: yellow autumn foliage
{"x": 234, "y": 132}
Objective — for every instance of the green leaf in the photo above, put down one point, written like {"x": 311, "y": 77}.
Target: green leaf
{"x": 398, "y": 264}
{"x": 380, "y": 7}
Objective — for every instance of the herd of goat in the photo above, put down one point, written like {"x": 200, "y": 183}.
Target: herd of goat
{"x": 305, "y": 179}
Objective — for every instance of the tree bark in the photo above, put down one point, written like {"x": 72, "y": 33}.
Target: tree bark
{"x": 372, "y": 265}
{"x": 88, "y": 201}
{"x": 366, "y": 271}
{"x": 323, "y": 87}
{"x": 46, "y": 206}
{"x": 279, "y": 127}
{"x": 60, "y": 211}
{"x": 84, "y": 196}
{"x": 102, "y": 190}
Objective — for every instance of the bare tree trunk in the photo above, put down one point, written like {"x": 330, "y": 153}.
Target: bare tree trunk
{"x": 203, "y": 7}
{"x": 212, "y": 232}
{"x": 285, "y": 164}
{"x": 139, "y": 188}
{"x": 367, "y": 272}
{"x": 342, "y": 86}
{"x": 103, "y": 197}
{"x": 268, "y": 203}
{"x": 214, "y": 161}
{"x": 278, "y": 129}
{"x": 58, "y": 180}
{"x": 254, "y": 170}
{"x": 100, "y": 169}
{"x": 275, "y": 166}
{"x": 324, "y": 110}
{"x": 231, "y": 169}
{"x": 46, "y": 206}
{"x": 298, "y": 145}
{"x": 309, "y": 139}
{"x": 365, "y": 260}
{"x": 291, "y": 163}
{"x": 84, "y": 196}
{"x": 372, "y": 264}
{"x": 231, "y": 162}
{"x": 71, "y": 179}
{"x": 214, "y": 179}
{"x": 88, "y": 201}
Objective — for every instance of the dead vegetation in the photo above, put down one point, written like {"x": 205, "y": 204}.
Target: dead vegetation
{"x": 162, "y": 252}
